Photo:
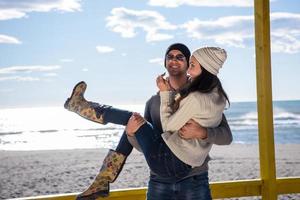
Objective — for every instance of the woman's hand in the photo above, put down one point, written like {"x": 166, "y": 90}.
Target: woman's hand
{"x": 134, "y": 123}
{"x": 162, "y": 84}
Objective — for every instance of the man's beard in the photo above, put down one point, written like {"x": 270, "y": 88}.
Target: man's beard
{"x": 176, "y": 72}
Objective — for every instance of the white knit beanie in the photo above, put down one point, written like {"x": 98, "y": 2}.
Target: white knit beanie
{"x": 211, "y": 58}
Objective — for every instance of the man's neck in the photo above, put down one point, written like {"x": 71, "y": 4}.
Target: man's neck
{"x": 177, "y": 82}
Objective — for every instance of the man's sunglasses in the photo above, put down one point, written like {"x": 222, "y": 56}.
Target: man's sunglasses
{"x": 178, "y": 57}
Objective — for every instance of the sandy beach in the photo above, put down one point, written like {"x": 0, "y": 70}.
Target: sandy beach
{"x": 32, "y": 173}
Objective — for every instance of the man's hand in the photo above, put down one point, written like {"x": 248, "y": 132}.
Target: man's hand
{"x": 192, "y": 130}
{"x": 134, "y": 123}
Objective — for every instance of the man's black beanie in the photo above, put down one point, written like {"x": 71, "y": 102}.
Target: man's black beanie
{"x": 180, "y": 47}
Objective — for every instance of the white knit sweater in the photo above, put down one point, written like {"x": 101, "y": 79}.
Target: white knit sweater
{"x": 204, "y": 108}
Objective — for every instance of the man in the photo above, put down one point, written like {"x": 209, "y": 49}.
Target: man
{"x": 195, "y": 184}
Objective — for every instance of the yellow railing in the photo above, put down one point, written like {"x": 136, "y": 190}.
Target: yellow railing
{"x": 226, "y": 189}
{"x": 264, "y": 99}
{"x": 268, "y": 186}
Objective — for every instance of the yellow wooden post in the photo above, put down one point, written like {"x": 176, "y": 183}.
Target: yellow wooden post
{"x": 264, "y": 99}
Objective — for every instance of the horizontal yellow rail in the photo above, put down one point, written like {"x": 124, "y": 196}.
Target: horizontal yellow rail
{"x": 240, "y": 188}
{"x": 288, "y": 185}
{"x": 123, "y": 194}
{"x": 227, "y": 189}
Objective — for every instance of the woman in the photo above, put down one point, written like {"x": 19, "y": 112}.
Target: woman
{"x": 202, "y": 100}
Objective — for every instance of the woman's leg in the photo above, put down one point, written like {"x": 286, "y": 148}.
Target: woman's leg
{"x": 114, "y": 161}
{"x": 159, "y": 157}
{"x": 124, "y": 145}
{"x": 110, "y": 170}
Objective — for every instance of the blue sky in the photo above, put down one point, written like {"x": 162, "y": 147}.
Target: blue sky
{"x": 117, "y": 47}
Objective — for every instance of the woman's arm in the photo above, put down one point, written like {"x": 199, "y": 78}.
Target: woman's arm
{"x": 134, "y": 123}
{"x": 174, "y": 121}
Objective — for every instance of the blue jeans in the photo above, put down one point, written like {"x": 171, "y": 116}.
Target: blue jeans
{"x": 159, "y": 157}
{"x": 192, "y": 188}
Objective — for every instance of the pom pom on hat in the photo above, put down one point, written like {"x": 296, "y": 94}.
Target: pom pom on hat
{"x": 210, "y": 58}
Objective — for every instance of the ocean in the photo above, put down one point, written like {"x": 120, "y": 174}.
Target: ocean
{"x": 49, "y": 128}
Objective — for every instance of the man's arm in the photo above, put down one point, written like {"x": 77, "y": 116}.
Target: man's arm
{"x": 147, "y": 114}
{"x": 220, "y": 135}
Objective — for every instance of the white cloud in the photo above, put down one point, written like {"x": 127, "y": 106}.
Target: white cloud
{"x": 285, "y": 32}
{"x": 123, "y": 54}
{"x": 19, "y": 78}
{"x": 104, "y": 49}
{"x": 85, "y": 69}
{"x": 153, "y": 36}
{"x": 238, "y": 31}
{"x": 127, "y": 23}
{"x": 10, "y": 14}
{"x": 28, "y": 69}
{"x": 232, "y": 31}
{"x": 9, "y": 39}
{"x": 206, "y": 3}
{"x": 158, "y": 61}
{"x": 283, "y": 41}
{"x": 21, "y": 70}
{"x": 12, "y": 9}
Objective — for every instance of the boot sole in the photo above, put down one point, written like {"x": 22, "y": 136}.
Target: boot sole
{"x": 93, "y": 196}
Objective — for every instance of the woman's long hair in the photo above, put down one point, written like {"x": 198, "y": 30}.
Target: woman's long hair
{"x": 203, "y": 83}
